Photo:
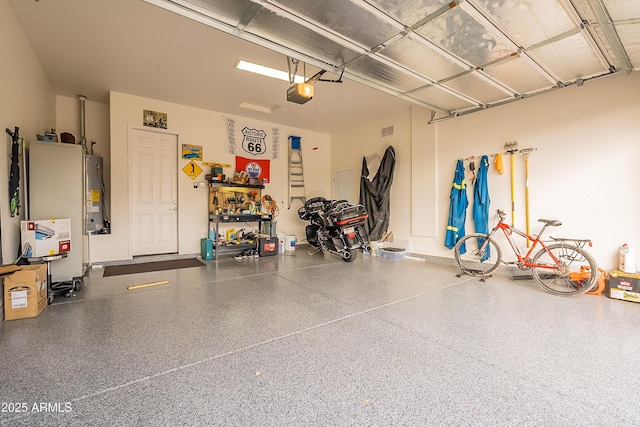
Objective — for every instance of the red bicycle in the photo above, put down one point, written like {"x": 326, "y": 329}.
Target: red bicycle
{"x": 560, "y": 268}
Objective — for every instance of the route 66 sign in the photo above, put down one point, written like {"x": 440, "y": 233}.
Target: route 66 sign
{"x": 253, "y": 141}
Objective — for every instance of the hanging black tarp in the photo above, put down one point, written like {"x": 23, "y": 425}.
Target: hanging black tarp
{"x": 375, "y": 194}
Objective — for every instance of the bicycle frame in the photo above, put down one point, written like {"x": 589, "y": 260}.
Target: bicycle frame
{"x": 559, "y": 266}
{"x": 523, "y": 259}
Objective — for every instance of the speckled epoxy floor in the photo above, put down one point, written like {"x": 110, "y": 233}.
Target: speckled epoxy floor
{"x": 299, "y": 340}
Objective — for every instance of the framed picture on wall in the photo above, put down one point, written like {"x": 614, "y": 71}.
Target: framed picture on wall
{"x": 154, "y": 119}
{"x": 192, "y": 152}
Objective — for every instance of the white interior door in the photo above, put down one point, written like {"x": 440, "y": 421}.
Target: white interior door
{"x": 153, "y": 189}
{"x": 343, "y": 185}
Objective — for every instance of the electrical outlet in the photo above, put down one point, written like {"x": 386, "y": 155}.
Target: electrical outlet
{"x": 195, "y": 185}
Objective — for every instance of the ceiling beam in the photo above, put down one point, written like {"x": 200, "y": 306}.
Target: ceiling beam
{"x": 587, "y": 31}
{"x": 248, "y": 16}
{"x": 478, "y": 13}
{"x": 442, "y": 10}
{"x": 610, "y": 33}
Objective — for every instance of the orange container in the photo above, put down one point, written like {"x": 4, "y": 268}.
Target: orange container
{"x": 585, "y": 272}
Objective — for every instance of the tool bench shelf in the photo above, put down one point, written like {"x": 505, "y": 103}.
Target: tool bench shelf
{"x": 229, "y": 203}
{"x": 229, "y": 197}
{"x": 216, "y": 219}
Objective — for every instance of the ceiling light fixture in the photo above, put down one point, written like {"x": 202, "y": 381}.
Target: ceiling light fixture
{"x": 262, "y": 107}
{"x": 266, "y": 71}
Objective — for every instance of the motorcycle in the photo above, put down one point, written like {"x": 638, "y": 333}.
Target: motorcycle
{"x": 336, "y": 226}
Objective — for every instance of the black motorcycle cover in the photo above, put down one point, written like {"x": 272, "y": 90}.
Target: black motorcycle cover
{"x": 375, "y": 195}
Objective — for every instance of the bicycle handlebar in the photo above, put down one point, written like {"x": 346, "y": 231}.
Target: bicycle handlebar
{"x": 501, "y": 214}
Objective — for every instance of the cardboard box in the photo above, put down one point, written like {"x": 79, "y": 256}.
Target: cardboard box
{"x": 25, "y": 292}
{"x": 5, "y": 270}
{"x": 624, "y": 286}
{"x": 45, "y": 237}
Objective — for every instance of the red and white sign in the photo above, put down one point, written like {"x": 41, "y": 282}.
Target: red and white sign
{"x": 255, "y": 168}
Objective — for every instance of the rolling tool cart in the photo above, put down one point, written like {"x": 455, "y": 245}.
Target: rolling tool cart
{"x": 65, "y": 287}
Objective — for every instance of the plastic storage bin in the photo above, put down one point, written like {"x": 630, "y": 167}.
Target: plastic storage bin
{"x": 390, "y": 254}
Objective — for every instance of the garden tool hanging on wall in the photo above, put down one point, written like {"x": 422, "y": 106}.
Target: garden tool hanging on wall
{"x": 525, "y": 154}
{"x": 511, "y": 148}
{"x": 472, "y": 169}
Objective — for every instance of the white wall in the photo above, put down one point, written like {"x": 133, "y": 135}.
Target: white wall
{"x": 585, "y": 170}
{"x": 206, "y": 128}
{"x": 27, "y": 101}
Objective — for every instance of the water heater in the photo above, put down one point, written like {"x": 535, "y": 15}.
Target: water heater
{"x": 94, "y": 211}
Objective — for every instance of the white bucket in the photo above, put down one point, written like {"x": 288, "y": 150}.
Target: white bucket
{"x": 290, "y": 243}
{"x": 281, "y": 238}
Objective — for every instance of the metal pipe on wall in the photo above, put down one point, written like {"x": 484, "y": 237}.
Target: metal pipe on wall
{"x": 83, "y": 135}
{"x": 83, "y": 142}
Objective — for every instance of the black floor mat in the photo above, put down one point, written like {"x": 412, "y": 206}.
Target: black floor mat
{"x": 145, "y": 267}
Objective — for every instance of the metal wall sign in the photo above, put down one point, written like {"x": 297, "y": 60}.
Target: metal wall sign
{"x": 258, "y": 140}
{"x": 192, "y": 170}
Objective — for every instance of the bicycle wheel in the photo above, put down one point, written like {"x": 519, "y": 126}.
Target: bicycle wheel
{"x": 568, "y": 278}
{"x": 476, "y": 258}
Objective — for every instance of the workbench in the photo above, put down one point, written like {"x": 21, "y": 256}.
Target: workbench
{"x": 216, "y": 219}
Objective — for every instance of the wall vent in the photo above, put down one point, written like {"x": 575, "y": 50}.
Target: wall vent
{"x": 388, "y": 131}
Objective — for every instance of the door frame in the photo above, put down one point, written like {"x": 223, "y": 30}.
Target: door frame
{"x": 336, "y": 174}
{"x": 130, "y": 130}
